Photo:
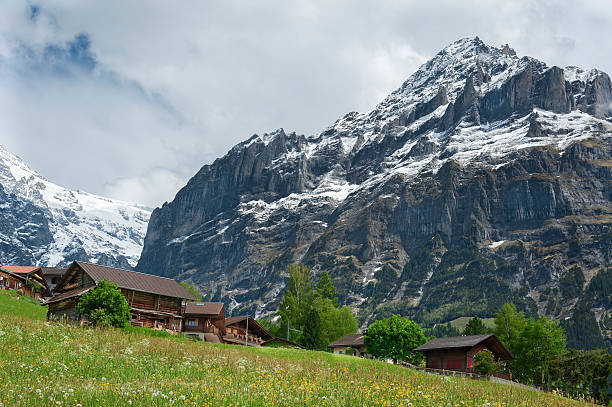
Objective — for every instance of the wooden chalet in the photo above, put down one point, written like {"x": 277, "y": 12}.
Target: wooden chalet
{"x": 457, "y": 353}
{"x": 52, "y": 276}
{"x": 205, "y": 320}
{"x": 155, "y": 302}
{"x": 237, "y": 332}
{"x": 28, "y": 279}
{"x": 355, "y": 342}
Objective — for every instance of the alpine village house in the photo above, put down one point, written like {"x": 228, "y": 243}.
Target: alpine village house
{"x": 457, "y": 353}
{"x": 155, "y": 302}
{"x": 205, "y": 320}
{"x": 28, "y": 279}
{"x": 158, "y": 303}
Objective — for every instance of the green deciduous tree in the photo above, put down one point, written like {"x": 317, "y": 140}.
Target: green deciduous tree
{"x": 395, "y": 338}
{"x": 295, "y": 306}
{"x": 539, "y": 342}
{"x": 335, "y": 322}
{"x": 105, "y": 305}
{"x": 484, "y": 363}
{"x": 475, "y": 326}
{"x": 508, "y": 325}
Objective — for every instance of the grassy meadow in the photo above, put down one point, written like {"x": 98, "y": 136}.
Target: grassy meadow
{"x": 48, "y": 364}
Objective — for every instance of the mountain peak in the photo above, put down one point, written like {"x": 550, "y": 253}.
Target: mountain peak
{"x": 479, "y": 147}
{"x": 457, "y": 61}
{"x": 464, "y": 45}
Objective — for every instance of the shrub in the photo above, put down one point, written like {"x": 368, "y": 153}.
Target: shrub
{"x": 99, "y": 317}
{"x": 105, "y": 305}
{"x": 484, "y": 363}
{"x": 34, "y": 286}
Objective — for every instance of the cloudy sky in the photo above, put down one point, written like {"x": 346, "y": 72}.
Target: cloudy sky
{"x": 129, "y": 99}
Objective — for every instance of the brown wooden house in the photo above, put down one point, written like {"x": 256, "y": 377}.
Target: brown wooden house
{"x": 205, "y": 320}
{"x": 239, "y": 333}
{"x": 28, "y": 279}
{"x": 155, "y": 302}
{"x": 457, "y": 353}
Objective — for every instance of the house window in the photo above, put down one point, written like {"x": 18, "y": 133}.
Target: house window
{"x": 470, "y": 364}
{"x": 191, "y": 322}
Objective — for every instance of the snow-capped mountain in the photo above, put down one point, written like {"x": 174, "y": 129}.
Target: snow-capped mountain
{"x": 45, "y": 224}
{"x": 485, "y": 178}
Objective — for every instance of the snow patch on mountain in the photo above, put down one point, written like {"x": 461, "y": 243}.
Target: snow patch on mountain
{"x": 82, "y": 224}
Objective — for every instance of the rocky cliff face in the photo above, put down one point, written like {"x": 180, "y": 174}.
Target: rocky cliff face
{"x": 484, "y": 178}
{"x": 45, "y": 224}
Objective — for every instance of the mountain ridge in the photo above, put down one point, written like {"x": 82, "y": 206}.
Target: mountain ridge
{"x": 45, "y": 224}
{"x": 476, "y": 158}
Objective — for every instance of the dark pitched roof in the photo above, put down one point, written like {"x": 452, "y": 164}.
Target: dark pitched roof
{"x": 454, "y": 342}
{"x": 489, "y": 341}
{"x": 203, "y": 308}
{"x": 134, "y": 280}
{"x": 53, "y": 271}
{"x": 348, "y": 340}
{"x": 67, "y": 295}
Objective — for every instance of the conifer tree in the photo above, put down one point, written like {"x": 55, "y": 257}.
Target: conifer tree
{"x": 475, "y": 327}
{"x": 325, "y": 288}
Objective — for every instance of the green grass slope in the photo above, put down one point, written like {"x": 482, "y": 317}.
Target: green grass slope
{"x": 12, "y": 304}
{"x": 461, "y": 322}
{"x": 48, "y": 364}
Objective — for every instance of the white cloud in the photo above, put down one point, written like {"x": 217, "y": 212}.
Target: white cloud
{"x": 173, "y": 86}
{"x": 157, "y": 185}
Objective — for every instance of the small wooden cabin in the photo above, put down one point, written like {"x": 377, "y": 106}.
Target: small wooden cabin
{"x": 29, "y": 279}
{"x": 355, "y": 342}
{"x": 239, "y": 333}
{"x": 205, "y": 320}
{"x": 457, "y": 353}
{"x": 155, "y": 302}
